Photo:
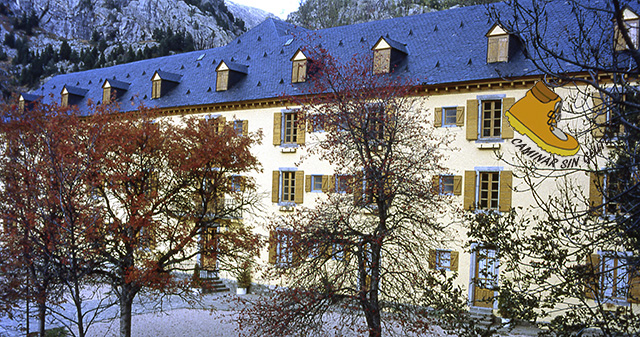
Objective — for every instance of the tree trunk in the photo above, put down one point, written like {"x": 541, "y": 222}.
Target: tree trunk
{"x": 42, "y": 312}
{"x": 370, "y": 305}
{"x": 78, "y": 303}
{"x": 127, "y": 293}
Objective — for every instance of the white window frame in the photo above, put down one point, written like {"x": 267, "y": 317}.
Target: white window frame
{"x": 282, "y": 170}
{"x": 481, "y": 99}
{"x": 314, "y": 179}
{"x": 616, "y": 257}
{"x": 444, "y": 116}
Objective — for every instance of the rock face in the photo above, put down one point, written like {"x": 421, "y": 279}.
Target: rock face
{"x": 130, "y": 21}
{"x": 250, "y": 15}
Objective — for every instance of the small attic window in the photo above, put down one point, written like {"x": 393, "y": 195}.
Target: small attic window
{"x": 228, "y": 74}
{"x": 288, "y": 42}
{"x": 113, "y": 88}
{"x": 631, "y": 22}
{"x": 200, "y": 57}
{"x": 72, "y": 95}
{"x": 497, "y": 45}
{"x": 25, "y": 101}
{"x": 163, "y": 82}
{"x": 298, "y": 67}
{"x": 386, "y": 54}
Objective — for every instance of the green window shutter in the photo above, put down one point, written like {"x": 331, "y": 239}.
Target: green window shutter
{"x": 460, "y": 116}
{"x": 298, "y": 198}
{"x": 472, "y": 119}
{"x": 506, "y": 188}
{"x": 437, "y": 117}
{"x": 469, "y": 190}
{"x": 275, "y": 187}
{"x": 277, "y": 126}
{"x": 507, "y": 130}
{"x": 457, "y": 185}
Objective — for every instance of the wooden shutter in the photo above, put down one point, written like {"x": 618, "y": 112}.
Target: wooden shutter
{"x": 457, "y": 185}
{"x": 503, "y": 49}
{"x": 298, "y": 198}
{"x": 432, "y": 258}
{"x": 277, "y": 126}
{"x": 435, "y": 183}
{"x": 328, "y": 183}
{"x": 273, "y": 244}
{"x": 106, "y": 95}
{"x": 245, "y": 127}
{"x": 592, "y": 284}
{"x": 454, "y": 260}
{"x": 507, "y": 130}
{"x": 381, "y": 61}
{"x": 469, "y": 190}
{"x": 599, "y": 116}
{"x": 506, "y": 188}
{"x": 222, "y": 80}
{"x": 492, "y": 50}
{"x": 64, "y": 100}
{"x": 294, "y": 72}
{"x": 221, "y": 121}
{"x": 634, "y": 287}
{"x": 472, "y": 119}
{"x": 302, "y": 71}
{"x": 155, "y": 88}
{"x": 300, "y": 129}
{"x": 356, "y": 183}
{"x": 437, "y": 117}
{"x": 595, "y": 190}
{"x": 307, "y": 183}
{"x": 275, "y": 187}
{"x": 460, "y": 116}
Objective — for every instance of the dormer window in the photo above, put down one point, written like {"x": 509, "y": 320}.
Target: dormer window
{"x": 298, "y": 67}
{"x": 71, "y": 95}
{"x": 25, "y": 100}
{"x": 163, "y": 82}
{"x": 497, "y": 45}
{"x": 631, "y": 22}
{"x": 387, "y": 53}
{"x": 228, "y": 74}
{"x": 113, "y": 87}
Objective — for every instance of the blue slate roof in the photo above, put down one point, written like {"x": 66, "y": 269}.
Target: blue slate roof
{"x": 76, "y": 90}
{"x": 448, "y": 46}
{"x": 118, "y": 84}
{"x": 171, "y": 77}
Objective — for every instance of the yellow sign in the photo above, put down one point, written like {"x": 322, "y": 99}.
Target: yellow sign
{"x": 536, "y": 116}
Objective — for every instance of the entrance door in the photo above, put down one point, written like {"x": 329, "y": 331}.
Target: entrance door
{"x": 486, "y": 277}
{"x": 210, "y": 249}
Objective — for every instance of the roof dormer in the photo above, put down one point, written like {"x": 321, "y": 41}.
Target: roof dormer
{"x": 113, "y": 87}
{"x": 498, "y": 44}
{"x": 25, "y": 100}
{"x": 72, "y": 95}
{"x": 631, "y": 22}
{"x": 163, "y": 82}
{"x": 299, "y": 67}
{"x": 228, "y": 74}
{"x": 387, "y": 53}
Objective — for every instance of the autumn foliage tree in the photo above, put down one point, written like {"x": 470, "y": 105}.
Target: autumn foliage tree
{"x": 360, "y": 256}
{"x": 121, "y": 199}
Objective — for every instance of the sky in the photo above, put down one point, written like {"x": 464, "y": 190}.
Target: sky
{"x": 281, "y": 8}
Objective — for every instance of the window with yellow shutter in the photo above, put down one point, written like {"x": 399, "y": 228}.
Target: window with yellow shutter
{"x": 288, "y": 187}
{"x": 497, "y": 45}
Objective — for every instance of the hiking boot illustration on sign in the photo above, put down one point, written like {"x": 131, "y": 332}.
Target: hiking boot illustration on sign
{"x": 536, "y": 115}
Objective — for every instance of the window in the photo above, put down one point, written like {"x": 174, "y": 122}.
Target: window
{"x": 236, "y": 184}
{"x": 338, "y": 251}
{"x": 604, "y": 188}
{"x": 381, "y": 61}
{"x": 606, "y": 118}
{"x": 222, "y": 80}
{"x": 387, "y": 53}
{"x": 449, "y": 116}
{"x": 631, "y": 21}
{"x": 288, "y": 187}
{"x": 497, "y": 45}
{"x": 443, "y": 259}
{"x": 156, "y": 88}
{"x": 375, "y": 122}
{"x": 288, "y": 129}
{"x": 217, "y": 121}
{"x": 488, "y": 190}
{"x": 448, "y": 184}
{"x": 241, "y": 127}
{"x": 485, "y": 117}
{"x": 64, "y": 101}
{"x": 316, "y": 183}
{"x": 289, "y": 134}
{"x": 298, "y": 67}
{"x": 281, "y": 247}
{"x": 343, "y": 183}
{"x": 490, "y": 116}
{"x": 611, "y": 278}
{"x": 318, "y": 123}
